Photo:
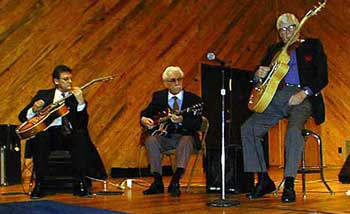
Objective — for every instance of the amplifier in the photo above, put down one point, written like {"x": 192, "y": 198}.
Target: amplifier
{"x": 10, "y": 156}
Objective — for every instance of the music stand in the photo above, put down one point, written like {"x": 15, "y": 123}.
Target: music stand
{"x": 222, "y": 201}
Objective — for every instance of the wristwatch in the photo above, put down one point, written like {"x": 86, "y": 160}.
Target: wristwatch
{"x": 306, "y": 92}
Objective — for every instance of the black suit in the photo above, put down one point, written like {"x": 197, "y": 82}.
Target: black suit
{"x": 86, "y": 160}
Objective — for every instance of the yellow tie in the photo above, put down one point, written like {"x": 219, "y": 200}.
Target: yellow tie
{"x": 175, "y": 104}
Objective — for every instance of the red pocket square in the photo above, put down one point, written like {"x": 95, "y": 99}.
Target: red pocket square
{"x": 308, "y": 58}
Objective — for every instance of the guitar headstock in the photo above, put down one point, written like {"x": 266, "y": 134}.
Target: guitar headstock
{"x": 107, "y": 78}
{"x": 316, "y": 9}
{"x": 103, "y": 79}
{"x": 196, "y": 109}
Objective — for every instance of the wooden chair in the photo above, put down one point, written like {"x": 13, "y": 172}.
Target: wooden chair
{"x": 202, "y": 135}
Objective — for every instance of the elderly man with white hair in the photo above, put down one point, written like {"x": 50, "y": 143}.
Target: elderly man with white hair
{"x": 181, "y": 134}
{"x": 297, "y": 98}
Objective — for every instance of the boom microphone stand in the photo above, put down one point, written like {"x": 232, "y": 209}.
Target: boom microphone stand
{"x": 222, "y": 202}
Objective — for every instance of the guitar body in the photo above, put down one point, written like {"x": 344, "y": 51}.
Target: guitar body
{"x": 161, "y": 121}
{"x": 263, "y": 92}
{"x": 41, "y": 121}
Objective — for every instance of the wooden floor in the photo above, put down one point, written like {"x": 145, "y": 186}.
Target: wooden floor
{"x": 318, "y": 200}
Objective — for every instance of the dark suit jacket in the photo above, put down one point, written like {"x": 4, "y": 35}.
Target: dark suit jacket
{"x": 313, "y": 71}
{"x": 191, "y": 123}
{"x": 78, "y": 120}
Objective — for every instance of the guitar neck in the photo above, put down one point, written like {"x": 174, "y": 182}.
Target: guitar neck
{"x": 86, "y": 85}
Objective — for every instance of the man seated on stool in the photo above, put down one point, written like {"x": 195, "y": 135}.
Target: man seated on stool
{"x": 182, "y": 132}
{"x": 297, "y": 98}
{"x": 69, "y": 131}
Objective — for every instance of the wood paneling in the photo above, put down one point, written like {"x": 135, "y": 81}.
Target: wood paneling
{"x": 135, "y": 40}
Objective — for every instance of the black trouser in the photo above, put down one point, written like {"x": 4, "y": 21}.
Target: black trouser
{"x": 77, "y": 143}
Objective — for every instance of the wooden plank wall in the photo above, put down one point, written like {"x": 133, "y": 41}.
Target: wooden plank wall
{"x": 136, "y": 39}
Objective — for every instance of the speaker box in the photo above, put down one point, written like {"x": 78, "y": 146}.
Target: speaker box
{"x": 10, "y": 156}
{"x": 237, "y": 88}
{"x": 344, "y": 174}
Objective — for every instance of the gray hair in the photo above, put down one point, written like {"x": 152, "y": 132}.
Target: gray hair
{"x": 286, "y": 18}
{"x": 171, "y": 69}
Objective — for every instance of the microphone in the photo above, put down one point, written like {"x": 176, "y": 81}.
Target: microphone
{"x": 212, "y": 57}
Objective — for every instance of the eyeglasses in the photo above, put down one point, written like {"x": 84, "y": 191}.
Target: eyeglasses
{"x": 284, "y": 29}
{"x": 66, "y": 78}
{"x": 174, "y": 79}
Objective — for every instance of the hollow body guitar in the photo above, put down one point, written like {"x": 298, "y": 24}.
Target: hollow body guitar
{"x": 42, "y": 120}
{"x": 263, "y": 92}
{"x": 162, "y": 121}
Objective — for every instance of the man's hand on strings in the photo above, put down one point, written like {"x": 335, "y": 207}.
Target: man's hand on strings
{"x": 38, "y": 105}
{"x": 176, "y": 118}
{"x": 262, "y": 72}
{"x": 78, "y": 94}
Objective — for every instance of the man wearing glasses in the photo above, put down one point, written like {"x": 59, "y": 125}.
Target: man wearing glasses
{"x": 181, "y": 134}
{"x": 297, "y": 98}
{"x": 69, "y": 131}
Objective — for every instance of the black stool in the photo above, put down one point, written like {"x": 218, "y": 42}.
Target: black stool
{"x": 60, "y": 172}
{"x": 308, "y": 169}
{"x": 60, "y": 176}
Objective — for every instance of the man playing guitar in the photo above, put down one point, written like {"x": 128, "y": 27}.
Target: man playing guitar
{"x": 297, "y": 98}
{"x": 69, "y": 130}
{"x": 181, "y": 133}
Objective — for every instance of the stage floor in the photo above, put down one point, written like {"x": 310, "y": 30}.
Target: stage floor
{"x": 318, "y": 200}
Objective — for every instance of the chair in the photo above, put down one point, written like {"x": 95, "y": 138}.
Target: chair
{"x": 303, "y": 169}
{"x": 202, "y": 135}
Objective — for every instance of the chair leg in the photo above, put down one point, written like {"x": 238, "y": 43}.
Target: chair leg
{"x": 321, "y": 166}
{"x": 303, "y": 178}
{"x": 303, "y": 175}
{"x": 280, "y": 186}
{"x": 192, "y": 172}
{"x": 172, "y": 163}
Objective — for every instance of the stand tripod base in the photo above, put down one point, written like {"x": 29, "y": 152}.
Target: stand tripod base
{"x": 223, "y": 203}
{"x": 108, "y": 193}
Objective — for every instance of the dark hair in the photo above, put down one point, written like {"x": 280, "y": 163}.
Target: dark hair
{"x": 60, "y": 69}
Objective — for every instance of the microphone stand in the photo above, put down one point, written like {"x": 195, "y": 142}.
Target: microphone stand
{"x": 222, "y": 201}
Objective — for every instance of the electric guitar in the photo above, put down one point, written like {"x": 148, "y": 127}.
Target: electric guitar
{"x": 162, "y": 121}
{"x": 262, "y": 94}
{"x": 42, "y": 120}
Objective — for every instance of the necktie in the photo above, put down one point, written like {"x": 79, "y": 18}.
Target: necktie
{"x": 66, "y": 129}
{"x": 175, "y": 104}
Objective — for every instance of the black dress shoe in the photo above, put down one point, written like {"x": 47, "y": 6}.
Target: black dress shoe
{"x": 37, "y": 191}
{"x": 154, "y": 189}
{"x": 288, "y": 195}
{"x": 174, "y": 189}
{"x": 261, "y": 189}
